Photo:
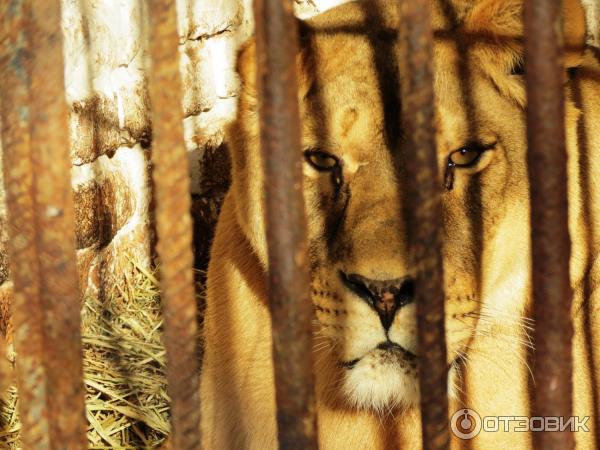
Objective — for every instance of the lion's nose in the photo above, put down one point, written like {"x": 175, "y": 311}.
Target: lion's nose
{"x": 386, "y": 297}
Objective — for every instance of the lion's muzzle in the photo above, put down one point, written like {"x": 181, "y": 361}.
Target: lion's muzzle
{"x": 385, "y": 297}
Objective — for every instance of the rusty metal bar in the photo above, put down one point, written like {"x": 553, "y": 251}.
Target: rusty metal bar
{"x": 27, "y": 309}
{"x": 547, "y": 159}
{"x": 174, "y": 227}
{"x": 424, "y": 223}
{"x": 290, "y": 302}
{"x": 54, "y": 219}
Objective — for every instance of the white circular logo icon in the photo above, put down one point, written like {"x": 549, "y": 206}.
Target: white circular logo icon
{"x": 465, "y": 424}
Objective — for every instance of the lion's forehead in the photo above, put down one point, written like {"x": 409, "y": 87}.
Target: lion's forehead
{"x": 353, "y": 97}
{"x": 350, "y": 112}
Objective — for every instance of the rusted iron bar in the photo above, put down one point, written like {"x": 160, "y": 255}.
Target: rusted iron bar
{"x": 27, "y": 310}
{"x": 290, "y": 302}
{"x": 547, "y": 159}
{"x": 174, "y": 227}
{"x": 54, "y": 219}
{"x": 424, "y": 222}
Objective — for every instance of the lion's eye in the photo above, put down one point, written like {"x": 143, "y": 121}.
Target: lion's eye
{"x": 466, "y": 156}
{"x": 321, "y": 160}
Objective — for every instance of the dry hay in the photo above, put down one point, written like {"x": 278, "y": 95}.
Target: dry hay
{"x": 124, "y": 369}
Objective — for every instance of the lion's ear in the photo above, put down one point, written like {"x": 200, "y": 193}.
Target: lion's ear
{"x": 498, "y": 18}
{"x": 574, "y": 31}
{"x": 502, "y": 20}
{"x": 246, "y": 68}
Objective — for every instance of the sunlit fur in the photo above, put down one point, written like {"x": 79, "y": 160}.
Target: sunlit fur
{"x": 348, "y": 79}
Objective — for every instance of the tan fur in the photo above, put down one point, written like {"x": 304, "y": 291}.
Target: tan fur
{"x": 347, "y": 66}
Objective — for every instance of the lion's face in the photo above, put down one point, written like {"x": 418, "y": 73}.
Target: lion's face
{"x": 363, "y": 285}
{"x": 363, "y": 282}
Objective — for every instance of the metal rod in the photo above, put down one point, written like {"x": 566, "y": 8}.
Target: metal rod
{"x": 174, "y": 227}
{"x": 27, "y": 309}
{"x": 547, "y": 159}
{"x": 290, "y": 302}
{"x": 54, "y": 220}
{"x": 424, "y": 223}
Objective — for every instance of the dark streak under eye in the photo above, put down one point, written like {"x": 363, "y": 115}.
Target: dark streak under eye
{"x": 449, "y": 175}
{"x": 337, "y": 177}
{"x": 335, "y": 220}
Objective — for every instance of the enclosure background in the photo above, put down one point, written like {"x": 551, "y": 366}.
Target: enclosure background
{"x": 106, "y": 68}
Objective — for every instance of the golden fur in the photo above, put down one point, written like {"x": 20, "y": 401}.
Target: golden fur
{"x": 348, "y": 85}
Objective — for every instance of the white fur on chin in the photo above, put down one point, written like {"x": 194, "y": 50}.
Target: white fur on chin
{"x": 380, "y": 383}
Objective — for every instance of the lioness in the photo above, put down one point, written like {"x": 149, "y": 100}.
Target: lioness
{"x": 366, "y": 370}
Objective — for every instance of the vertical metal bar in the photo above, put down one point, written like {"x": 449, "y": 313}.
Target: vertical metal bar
{"x": 54, "y": 218}
{"x": 547, "y": 159}
{"x": 174, "y": 227}
{"x": 424, "y": 223}
{"x": 27, "y": 310}
{"x": 290, "y": 302}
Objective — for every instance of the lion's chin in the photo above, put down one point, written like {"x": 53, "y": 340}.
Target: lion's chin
{"x": 382, "y": 382}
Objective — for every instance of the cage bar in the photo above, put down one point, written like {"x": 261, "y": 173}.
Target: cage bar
{"x": 290, "y": 303}
{"x": 424, "y": 223}
{"x": 547, "y": 162}
{"x": 27, "y": 310}
{"x": 54, "y": 221}
{"x": 174, "y": 227}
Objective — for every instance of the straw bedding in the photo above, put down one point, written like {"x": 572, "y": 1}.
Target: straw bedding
{"x": 124, "y": 369}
